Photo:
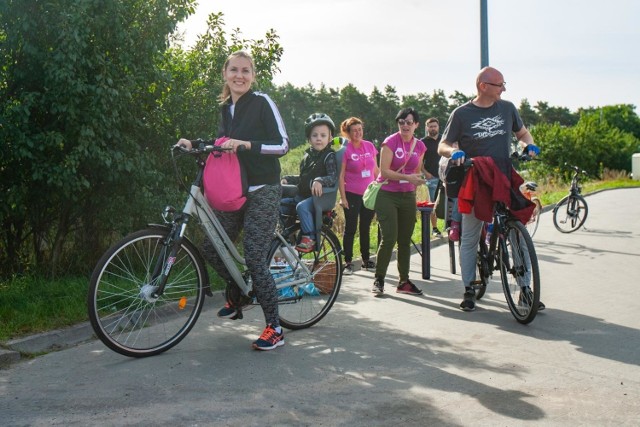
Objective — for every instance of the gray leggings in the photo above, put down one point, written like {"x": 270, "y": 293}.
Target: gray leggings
{"x": 258, "y": 218}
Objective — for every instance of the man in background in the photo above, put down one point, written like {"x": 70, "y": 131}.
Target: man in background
{"x": 430, "y": 166}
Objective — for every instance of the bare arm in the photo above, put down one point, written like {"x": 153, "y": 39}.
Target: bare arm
{"x": 524, "y": 137}
{"x": 446, "y": 149}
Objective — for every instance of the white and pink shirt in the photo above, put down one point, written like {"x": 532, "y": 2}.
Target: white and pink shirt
{"x": 360, "y": 164}
{"x": 400, "y": 150}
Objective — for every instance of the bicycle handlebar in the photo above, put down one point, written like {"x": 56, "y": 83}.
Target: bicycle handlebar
{"x": 200, "y": 146}
{"x": 576, "y": 169}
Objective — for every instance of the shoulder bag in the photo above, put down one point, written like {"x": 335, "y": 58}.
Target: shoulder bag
{"x": 371, "y": 193}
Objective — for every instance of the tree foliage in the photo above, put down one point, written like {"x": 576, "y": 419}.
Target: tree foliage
{"x": 593, "y": 144}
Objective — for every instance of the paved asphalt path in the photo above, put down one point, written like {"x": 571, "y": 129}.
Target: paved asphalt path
{"x": 396, "y": 360}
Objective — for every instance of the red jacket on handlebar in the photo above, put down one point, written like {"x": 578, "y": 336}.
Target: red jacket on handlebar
{"x": 485, "y": 184}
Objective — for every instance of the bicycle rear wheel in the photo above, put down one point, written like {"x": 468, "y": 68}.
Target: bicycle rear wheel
{"x": 532, "y": 224}
{"x": 123, "y": 312}
{"x": 519, "y": 272}
{"x": 304, "y": 304}
{"x": 570, "y": 213}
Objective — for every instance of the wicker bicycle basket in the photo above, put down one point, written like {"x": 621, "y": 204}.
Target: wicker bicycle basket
{"x": 325, "y": 278}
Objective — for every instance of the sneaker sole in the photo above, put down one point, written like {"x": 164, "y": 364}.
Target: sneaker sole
{"x": 467, "y": 309}
{"x": 276, "y": 345}
{"x": 409, "y": 293}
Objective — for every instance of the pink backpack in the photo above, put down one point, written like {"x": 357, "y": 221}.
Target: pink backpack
{"x": 225, "y": 183}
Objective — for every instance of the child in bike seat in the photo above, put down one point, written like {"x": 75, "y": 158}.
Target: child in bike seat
{"x": 318, "y": 169}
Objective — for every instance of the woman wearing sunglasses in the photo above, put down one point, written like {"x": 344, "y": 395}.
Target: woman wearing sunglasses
{"x": 401, "y": 156}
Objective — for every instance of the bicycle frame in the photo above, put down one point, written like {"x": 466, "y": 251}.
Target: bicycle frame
{"x": 499, "y": 217}
{"x": 148, "y": 289}
{"x": 575, "y": 184}
{"x": 197, "y": 206}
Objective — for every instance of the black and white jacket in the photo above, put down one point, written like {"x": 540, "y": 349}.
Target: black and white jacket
{"x": 256, "y": 119}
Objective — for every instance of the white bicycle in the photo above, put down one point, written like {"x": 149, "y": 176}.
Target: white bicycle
{"x": 147, "y": 290}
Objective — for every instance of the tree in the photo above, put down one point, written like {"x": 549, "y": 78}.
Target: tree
{"x": 74, "y": 113}
{"x": 621, "y": 116}
{"x": 91, "y": 98}
{"x": 561, "y": 115}
{"x": 460, "y": 98}
{"x": 434, "y": 105}
{"x": 528, "y": 114}
{"x": 352, "y": 103}
{"x": 385, "y": 106}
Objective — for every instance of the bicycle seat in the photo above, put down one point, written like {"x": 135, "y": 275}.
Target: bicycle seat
{"x": 531, "y": 185}
{"x": 327, "y": 201}
{"x": 289, "y": 190}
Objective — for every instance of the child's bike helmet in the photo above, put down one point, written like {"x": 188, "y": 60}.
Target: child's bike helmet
{"x": 318, "y": 119}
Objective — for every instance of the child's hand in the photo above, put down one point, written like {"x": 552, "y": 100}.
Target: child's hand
{"x": 316, "y": 188}
{"x": 284, "y": 181}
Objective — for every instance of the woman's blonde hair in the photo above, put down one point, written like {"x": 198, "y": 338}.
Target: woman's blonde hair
{"x": 345, "y": 126}
{"x": 226, "y": 92}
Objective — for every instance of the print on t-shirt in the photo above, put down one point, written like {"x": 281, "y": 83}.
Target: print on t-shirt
{"x": 399, "y": 153}
{"x": 489, "y": 127}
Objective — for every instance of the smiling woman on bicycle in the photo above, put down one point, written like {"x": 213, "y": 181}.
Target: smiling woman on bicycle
{"x": 482, "y": 127}
{"x": 251, "y": 120}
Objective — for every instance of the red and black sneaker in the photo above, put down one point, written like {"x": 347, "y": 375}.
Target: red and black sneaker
{"x": 269, "y": 339}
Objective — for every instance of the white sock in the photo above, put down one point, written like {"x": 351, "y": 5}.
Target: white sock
{"x": 278, "y": 329}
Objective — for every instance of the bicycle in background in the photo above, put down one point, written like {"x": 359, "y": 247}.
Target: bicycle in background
{"x": 147, "y": 291}
{"x": 571, "y": 212}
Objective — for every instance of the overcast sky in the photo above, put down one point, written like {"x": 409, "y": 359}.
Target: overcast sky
{"x": 568, "y": 53}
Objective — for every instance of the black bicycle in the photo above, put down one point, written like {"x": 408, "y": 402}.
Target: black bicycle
{"x": 571, "y": 212}
{"x": 510, "y": 251}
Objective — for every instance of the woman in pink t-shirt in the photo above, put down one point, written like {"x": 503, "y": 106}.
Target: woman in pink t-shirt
{"x": 401, "y": 156}
{"x": 359, "y": 168}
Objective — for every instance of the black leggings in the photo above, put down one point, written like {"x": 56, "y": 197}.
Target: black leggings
{"x": 356, "y": 210}
{"x": 258, "y": 218}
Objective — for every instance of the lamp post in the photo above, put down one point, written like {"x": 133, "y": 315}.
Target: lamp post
{"x": 484, "y": 35}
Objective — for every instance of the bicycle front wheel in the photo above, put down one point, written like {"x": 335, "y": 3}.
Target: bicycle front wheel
{"x": 532, "y": 224}
{"x": 125, "y": 314}
{"x": 519, "y": 272}
{"x": 570, "y": 213}
{"x": 304, "y": 300}
{"x": 483, "y": 273}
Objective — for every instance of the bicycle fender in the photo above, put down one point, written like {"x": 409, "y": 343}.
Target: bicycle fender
{"x": 207, "y": 286}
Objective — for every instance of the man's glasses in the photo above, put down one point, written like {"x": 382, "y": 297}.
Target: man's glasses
{"x": 405, "y": 122}
{"x": 503, "y": 84}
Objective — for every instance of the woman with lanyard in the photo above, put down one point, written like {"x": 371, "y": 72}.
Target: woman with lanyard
{"x": 401, "y": 157}
{"x": 359, "y": 168}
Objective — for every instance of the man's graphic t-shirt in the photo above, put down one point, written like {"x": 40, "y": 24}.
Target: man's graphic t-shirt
{"x": 484, "y": 131}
